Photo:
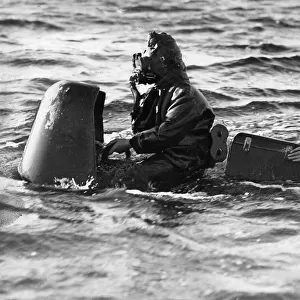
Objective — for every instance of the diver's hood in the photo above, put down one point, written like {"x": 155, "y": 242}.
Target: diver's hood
{"x": 161, "y": 62}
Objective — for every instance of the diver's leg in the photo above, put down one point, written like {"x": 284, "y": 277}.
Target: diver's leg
{"x": 111, "y": 172}
{"x": 154, "y": 172}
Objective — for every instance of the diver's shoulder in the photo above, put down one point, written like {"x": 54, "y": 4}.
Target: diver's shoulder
{"x": 186, "y": 90}
{"x": 180, "y": 90}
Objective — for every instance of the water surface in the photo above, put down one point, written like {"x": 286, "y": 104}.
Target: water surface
{"x": 215, "y": 238}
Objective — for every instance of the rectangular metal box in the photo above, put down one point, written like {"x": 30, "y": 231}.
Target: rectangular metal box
{"x": 258, "y": 158}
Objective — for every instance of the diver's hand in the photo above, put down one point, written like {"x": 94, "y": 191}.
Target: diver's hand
{"x": 136, "y": 75}
{"x": 294, "y": 155}
{"x": 120, "y": 146}
{"x": 116, "y": 145}
{"x": 134, "y": 80}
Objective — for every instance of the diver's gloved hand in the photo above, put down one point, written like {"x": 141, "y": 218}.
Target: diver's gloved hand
{"x": 116, "y": 145}
{"x": 142, "y": 72}
{"x": 134, "y": 78}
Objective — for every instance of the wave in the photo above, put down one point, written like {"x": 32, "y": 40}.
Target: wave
{"x": 4, "y": 40}
{"x": 271, "y": 105}
{"x": 240, "y": 8}
{"x": 10, "y": 209}
{"x": 5, "y": 111}
{"x": 13, "y": 92}
{"x": 94, "y": 19}
{"x": 263, "y": 47}
{"x": 274, "y": 62}
{"x": 275, "y": 213}
{"x": 42, "y": 80}
{"x": 205, "y": 19}
{"x": 152, "y": 8}
{"x": 269, "y": 47}
{"x": 41, "y": 84}
{"x": 37, "y": 24}
{"x": 195, "y": 67}
{"x": 259, "y": 92}
{"x": 269, "y": 21}
{"x": 22, "y": 62}
{"x": 118, "y": 106}
{"x": 200, "y": 29}
{"x": 257, "y": 106}
{"x": 213, "y": 96}
{"x": 99, "y": 57}
{"x": 279, "y": 64}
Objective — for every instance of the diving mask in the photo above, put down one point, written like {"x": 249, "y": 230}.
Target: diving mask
{"x": 142, "y": 73}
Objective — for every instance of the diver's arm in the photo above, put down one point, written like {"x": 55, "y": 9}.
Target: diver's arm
{"x": 182, "y": 116}
{"x": 136, "y": 101}
{"x": 135, "y": 93}
{"x": 136, "y": 96}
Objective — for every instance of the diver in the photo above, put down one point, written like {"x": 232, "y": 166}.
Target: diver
{"x": 171, "y": 121}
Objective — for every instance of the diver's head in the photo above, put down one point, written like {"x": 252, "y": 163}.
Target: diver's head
{"x": 161, "y": 61}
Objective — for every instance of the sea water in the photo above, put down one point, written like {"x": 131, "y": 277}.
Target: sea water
{"x": 216, "y": 238}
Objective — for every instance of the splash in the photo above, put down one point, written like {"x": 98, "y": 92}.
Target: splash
{"x": 70, "y": 183}
{"x": 13, "y": 144}
{"x": 295, "y": 189}
{"x": 184, "y": 198}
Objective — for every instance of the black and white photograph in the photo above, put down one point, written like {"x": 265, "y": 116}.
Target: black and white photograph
{"x": 149, "y": 150}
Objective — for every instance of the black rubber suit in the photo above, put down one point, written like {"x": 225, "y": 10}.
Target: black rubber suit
{"x": 172, "y": 120}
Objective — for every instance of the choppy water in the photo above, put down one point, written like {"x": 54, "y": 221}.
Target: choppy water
{"x": 213, "y": 239}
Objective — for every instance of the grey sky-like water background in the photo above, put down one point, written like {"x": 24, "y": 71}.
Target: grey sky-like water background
{"x": 216, "y": 239}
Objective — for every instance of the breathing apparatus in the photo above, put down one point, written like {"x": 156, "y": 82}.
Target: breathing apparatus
{"x": 160, "y": 62}
{"x": 142, "y": 71}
